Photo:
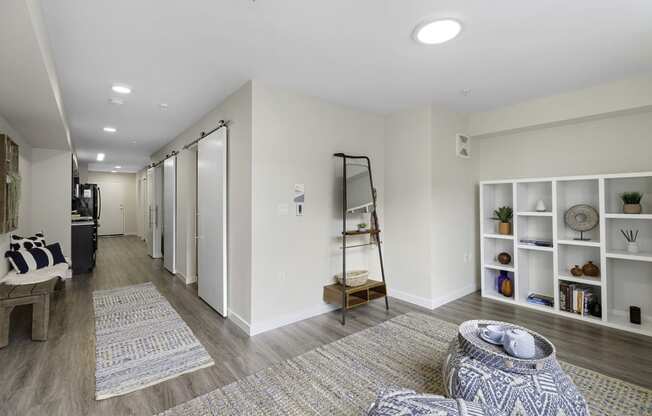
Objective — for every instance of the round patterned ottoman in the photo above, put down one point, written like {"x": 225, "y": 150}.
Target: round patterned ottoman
{"x": 478, "y": 371}
{"x": 408, "y": 402}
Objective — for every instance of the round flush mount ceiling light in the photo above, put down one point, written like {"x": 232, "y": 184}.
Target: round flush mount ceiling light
{"x": 121, "y": 89}
{"x": 110, "y": 129}
{"x": 434, "y": 32}
{"x": 118, "y": 167}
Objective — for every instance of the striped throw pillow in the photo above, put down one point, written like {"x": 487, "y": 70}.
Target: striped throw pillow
{"x": 24, "y": 261}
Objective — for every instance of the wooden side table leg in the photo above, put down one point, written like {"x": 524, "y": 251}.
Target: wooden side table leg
{"x": 5, "y": 317}
{"x": 41, "y": 318}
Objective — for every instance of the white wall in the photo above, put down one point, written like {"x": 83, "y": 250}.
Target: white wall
{"x": 24, "y": 211}
{"x": 294, "y": 138}
{"x": 408, "y": 205}
{"x": 51, "y": 195}
{"x": 128, "y": 183}
{"x": 453, "y": 212}
{"x": 430, "y": 206}
{"x": 237, "y": 108}
{"x": 617, "y": 144}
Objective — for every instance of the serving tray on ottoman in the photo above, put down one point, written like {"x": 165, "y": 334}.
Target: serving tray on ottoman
{"x": 475, "y": 370}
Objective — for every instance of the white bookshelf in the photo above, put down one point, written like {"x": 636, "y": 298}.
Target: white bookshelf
{"x": 625, "y": 278}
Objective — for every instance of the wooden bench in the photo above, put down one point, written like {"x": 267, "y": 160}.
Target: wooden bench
{"x": 35, "y": 294}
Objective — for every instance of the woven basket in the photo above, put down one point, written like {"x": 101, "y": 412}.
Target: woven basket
{"x": 354, "y": 278}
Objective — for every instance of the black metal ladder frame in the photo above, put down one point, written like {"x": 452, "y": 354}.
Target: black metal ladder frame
{"x": 375, "y": 224}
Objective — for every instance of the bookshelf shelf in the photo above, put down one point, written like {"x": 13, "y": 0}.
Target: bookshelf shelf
{"x": 535, "y": 247}
{"x": 629, "y": 216}
{"x": 499, "y": 236}
{"x": 591, "y": 281}
{"x": 625, "y": 255}
{"x": 624, "y": 277}
{"x": 578, "y": 243}
{"x": 498, "y": 266}
{"x": 535, "y": 214}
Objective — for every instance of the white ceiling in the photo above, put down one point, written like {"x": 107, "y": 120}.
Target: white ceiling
{"x": 28, "y": 85}
{"x": 192, "y": 54}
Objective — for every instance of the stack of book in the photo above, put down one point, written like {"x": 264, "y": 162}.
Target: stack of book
{"x": 575, "y": 298}
{"x": 538, "y": 299}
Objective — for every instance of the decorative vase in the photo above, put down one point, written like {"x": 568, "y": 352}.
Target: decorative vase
{"x": 499, "y": 281}
{"x": 632, "y": 247}
{"x": 506, "y": 288}
{"x": 595, "y": 309}
{"x": 591, "y": 270}
{"x": 577, "y": 271}
{"x": 504, "y": 228}
{"x": 504, "y": 258}
{"x": 541, "y": 206}
{"x": 632, "y": 209}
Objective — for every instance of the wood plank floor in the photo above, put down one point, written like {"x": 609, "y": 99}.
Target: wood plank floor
{"x": 57, "y": 377}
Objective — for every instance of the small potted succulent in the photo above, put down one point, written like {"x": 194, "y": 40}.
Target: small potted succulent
{"x": 362, "y": 226}
{"x": 504, "y": 215}
{"x": 631, "y": 202}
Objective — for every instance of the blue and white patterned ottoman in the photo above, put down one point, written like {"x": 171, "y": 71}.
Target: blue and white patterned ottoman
{"x": 477, "y": 371}
{"x": 408, "y": 402}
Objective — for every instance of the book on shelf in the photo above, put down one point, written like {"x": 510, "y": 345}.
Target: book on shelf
{"x": 538, "y": 299}
{"x": 575, "y": 298}
{"x": 536, "y": 242}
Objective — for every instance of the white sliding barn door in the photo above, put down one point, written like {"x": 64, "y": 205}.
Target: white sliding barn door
{"x": 169, "y": 213}
{"x": 211, "y": 220}
{"x": 149, "y": 216}
{"x": 154, "y": 196}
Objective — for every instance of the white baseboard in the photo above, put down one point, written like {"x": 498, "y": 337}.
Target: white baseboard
{"x": 455, "y": 294}
{"x": 267, "y": 325}
{"x": 436, "y": 302}
{"x": 409, "y": 298}
{"x": 239, "y": 322}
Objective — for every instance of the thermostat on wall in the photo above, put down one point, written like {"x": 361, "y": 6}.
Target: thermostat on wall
{"x": 299, "y": 198}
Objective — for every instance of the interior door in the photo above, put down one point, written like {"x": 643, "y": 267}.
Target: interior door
{"x": 149, "y": 223}
{"x": 157, "y": 235}
{"x": 154, "y": 195}
{"x": 169, "y": 213}
{"x": 211, "y": 220}
{"x": 112, "y": 221}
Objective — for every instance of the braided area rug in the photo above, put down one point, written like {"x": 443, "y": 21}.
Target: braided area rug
{"x": 140, "y": 340}
{"x": 344, "y": 377}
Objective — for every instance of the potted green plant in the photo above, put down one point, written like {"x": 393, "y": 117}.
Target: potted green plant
{"x": 504, "y": 215}
{"x": 362, "y": 226}
{"x": 632, "y": 202}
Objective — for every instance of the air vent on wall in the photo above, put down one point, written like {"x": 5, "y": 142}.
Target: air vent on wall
{"x": 463, "y": 146}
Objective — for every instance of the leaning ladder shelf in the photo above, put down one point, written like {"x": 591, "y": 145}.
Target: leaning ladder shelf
{"x": 351, "y": 297}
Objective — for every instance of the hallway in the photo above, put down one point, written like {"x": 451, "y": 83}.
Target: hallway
{"x": 61, "y": 370}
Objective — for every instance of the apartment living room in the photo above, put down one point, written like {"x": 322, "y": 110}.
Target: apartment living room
{"x": 326, "y": 208}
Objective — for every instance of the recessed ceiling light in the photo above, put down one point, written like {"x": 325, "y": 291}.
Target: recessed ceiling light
{"x": 465, "y": 91}
{"x": 121, "y": 89}
{"x": 110, "y": 129}
{"x": 113, "y": 171}
{"x": 163, "y": 106}
{"x": 118, "y": 167}
{"x": 100, "y": 157}
{"x": 116, "y": 101}
{"x": 437, "y": 31}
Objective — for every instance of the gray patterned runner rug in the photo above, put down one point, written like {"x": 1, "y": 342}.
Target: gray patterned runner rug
{"x": 343, "y": 378}
{"x": 140, "y": 340}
